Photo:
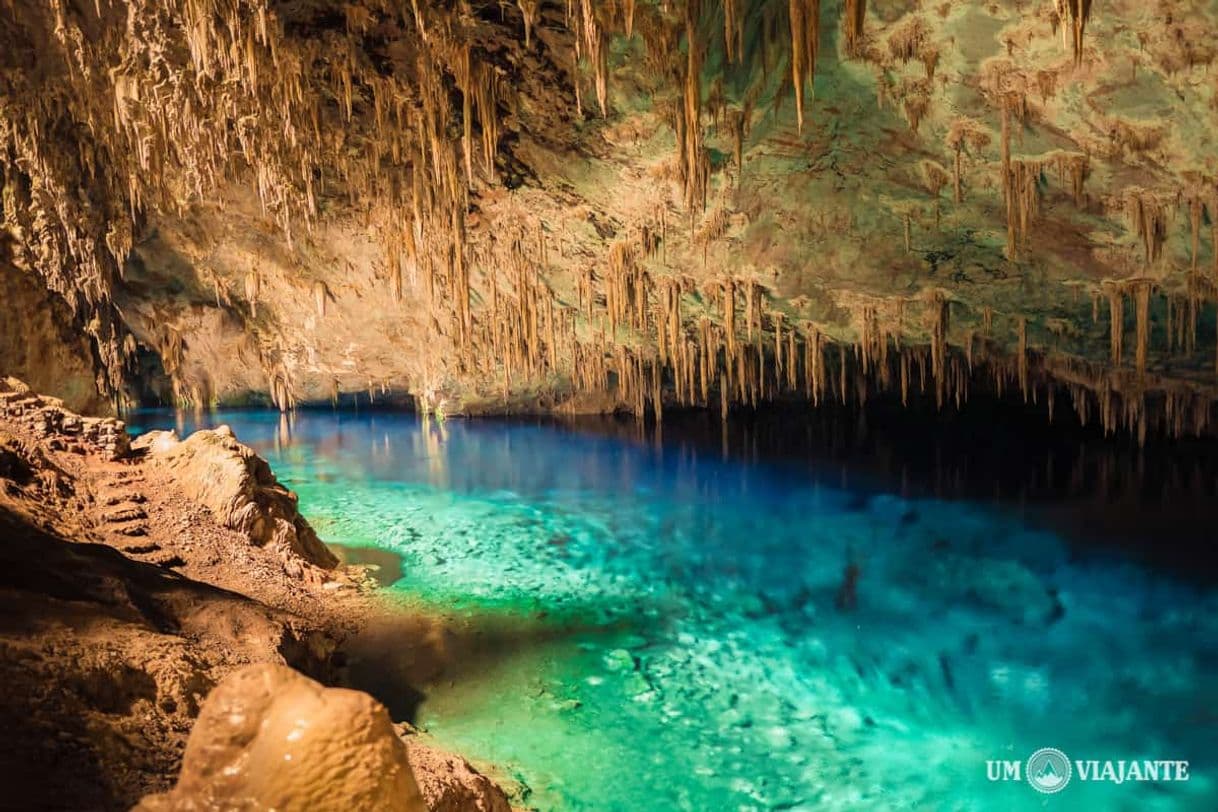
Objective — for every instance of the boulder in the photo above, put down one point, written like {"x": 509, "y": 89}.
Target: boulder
{"x": 240, "y": 490}
{"x": 271, "y": 738}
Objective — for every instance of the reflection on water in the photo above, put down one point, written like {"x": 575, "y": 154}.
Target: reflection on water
{"x": 798, "y": 611}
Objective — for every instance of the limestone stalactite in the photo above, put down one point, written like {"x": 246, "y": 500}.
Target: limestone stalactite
{"x": 1116, "y": 319}
{"x": 1141, "y": 294}
{"x": 965, "y": 133}
{"x": 1080, "y": 13}
{"x": 804, "y": 20}
{"x": 854, "y": 15}
{"x": 1147, "y": 214}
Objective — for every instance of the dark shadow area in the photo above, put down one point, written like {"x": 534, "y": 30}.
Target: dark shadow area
{"x": 1156, "y": 503}
{"x": 399, "y": 655}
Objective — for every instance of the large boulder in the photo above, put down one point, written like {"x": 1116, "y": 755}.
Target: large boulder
{"x": 270, "y": 738}
{"x": 240, "y": 490}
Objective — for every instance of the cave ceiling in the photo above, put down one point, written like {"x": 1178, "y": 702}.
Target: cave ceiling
{"x": 500, "y": 206}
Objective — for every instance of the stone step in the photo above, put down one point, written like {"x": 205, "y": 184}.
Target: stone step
{"x": 122, "y": 497}
{"x": 127, "y": 514}
{"x": 139, "y": 549}
{"x": 165, "y": 559}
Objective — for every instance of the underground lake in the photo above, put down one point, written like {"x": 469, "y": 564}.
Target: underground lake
{"x": 786, "y": 612}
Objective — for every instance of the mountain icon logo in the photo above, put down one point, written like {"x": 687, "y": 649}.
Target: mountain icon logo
{"x": 1048, "y": 770}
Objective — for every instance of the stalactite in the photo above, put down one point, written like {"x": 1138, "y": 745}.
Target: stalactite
{"x": 841, "y": 373}
{"x": 729, "y": 315}
{"x": 1141, "y": 295}
{"x": 804, "y": 21}
{"x": 529, "y": 11}
{"x": 1076, "y": 167}
{"x": 939, "y": 312}
{"x": 1080, "y": 12}
{"x": 733, "y": 29}
{"x": 792, "y": 363}
{"x": 1012, "y": 244}
{"x": 907, "y": 39}
{"x": 253, "y": 288}
{"x": 779, "y": 345}
{"x": 750, "y": 306}
{"x": 414, "y": 141}
{"x": 1022, "y": 332}
{"x": 964, "y": 133}
{"x": 694, "y": 159}
{"x": 628, "y": 9}
{"x": 1147, "y": 214}
{"x": 1116, "y": 320}
{"x": 934, "y": 178}
{"x": 207, "y": 82}
{"x": 1195, "y": 200}
{"x": 854, "y": 14}
{"x": 1022, "y": 196}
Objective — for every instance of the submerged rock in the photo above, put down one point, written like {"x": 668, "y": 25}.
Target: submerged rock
{"x": 270, "y": 738}
{"x": 1001, "y": 585}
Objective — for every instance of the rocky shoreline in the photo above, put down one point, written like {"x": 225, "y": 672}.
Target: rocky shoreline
{"x": 137, "y": 576}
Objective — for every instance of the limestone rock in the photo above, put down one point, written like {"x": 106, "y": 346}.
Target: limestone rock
{"x": 237, "y": 485}
{"x": 270, "y": 738}
{"x": 450, "y": 784}
{"x": 46, "y": 417}
{"x": 1004, "y": 586}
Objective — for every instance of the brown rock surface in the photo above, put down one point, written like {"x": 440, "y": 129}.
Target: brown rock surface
{"x": 124, "y": 600}
{"x": 450, "y": 784}
{"x": 237, "y": 485}
{"x": 41, "y": 343}
{"x": 269, "y": 738}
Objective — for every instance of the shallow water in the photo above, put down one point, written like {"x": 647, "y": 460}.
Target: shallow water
{"x": 698, "y": 645}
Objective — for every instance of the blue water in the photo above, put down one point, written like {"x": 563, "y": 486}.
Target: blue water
{"x": 696, "y": 647}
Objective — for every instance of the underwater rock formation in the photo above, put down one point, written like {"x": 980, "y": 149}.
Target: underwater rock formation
{"x": 269, "y": 738}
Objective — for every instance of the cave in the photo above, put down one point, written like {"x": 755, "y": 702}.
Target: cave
{"x": 608, "y": 404}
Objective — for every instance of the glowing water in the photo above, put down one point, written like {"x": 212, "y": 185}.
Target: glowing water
{"x": 700, "y": 659}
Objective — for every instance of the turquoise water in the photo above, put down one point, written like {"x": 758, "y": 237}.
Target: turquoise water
{"x": 694, "y": 643}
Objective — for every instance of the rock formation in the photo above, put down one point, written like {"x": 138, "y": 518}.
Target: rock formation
{"x": 484, "y": 206}
{"x": 269, "y": 738}
{"x": 237, "y": 486}
{"x": 46, "y": 418}
{"x": 138, "y": 579}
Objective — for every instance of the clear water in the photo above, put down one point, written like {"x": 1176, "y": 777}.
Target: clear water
{"x": 693, "y": 645}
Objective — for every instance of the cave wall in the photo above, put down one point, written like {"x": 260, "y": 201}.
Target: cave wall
{"x": 42, "y": 344}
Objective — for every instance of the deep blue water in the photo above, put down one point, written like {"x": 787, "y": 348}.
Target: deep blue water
{"x": 760, "y": 620}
